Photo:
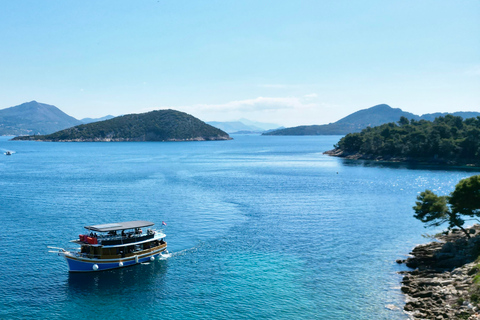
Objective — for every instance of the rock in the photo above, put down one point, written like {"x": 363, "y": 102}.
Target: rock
{"x": 392, "y": 307}
{"x": 412, "y": 263}
{"x": 444, "y": 255}
{"x": 423, "y": 294}
{"x": 441, "y": 284}
{"x": 448, "y": 247}
{"x": 473, "y": 271}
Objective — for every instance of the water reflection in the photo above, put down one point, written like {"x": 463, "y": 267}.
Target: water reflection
{"x": 405, "y": 165}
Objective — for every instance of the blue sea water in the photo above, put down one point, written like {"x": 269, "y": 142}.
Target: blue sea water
{"x": 259, "y": 227}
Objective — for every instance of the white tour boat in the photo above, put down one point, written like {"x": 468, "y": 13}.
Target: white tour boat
{"x": 114, "y": 245}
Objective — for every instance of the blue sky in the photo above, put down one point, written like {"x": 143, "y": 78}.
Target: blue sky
{"x": 287, "y": 62}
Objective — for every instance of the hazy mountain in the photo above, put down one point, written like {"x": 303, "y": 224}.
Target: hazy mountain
{"x": 463, "y": 114}
{"x": 244, "y": 126}
{"x": 355, "y": 122}
{"x": 34, "y": 118}
{"x": 160, "y": 125}
{"x": 234, "y": 126}
{"x": 375, "y": 116}
{"x": 263, "y": 125}
{"x": 90, "y": 120}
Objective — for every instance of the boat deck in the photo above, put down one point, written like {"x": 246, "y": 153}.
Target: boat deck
{"x": 102, "y": 253}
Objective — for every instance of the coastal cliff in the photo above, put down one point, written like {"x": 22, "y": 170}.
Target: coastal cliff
{"x": 446, "y": 281}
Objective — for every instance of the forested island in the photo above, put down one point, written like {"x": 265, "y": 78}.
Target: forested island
{"x": 160, "y": 125}
{"x": 446, "y": 140}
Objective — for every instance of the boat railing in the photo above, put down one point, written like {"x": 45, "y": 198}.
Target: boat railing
{"x": 119, "y": 238}
{"x": 133, "y": 250}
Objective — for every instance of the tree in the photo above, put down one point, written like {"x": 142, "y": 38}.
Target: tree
{"x": 463, "y": 201}
{"x": 352, "y": 142}
{"x": 466, "y": 197}
{"x": 403, "y": 121}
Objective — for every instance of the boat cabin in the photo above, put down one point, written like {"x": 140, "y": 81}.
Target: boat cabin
{"x": 119, "y": 240}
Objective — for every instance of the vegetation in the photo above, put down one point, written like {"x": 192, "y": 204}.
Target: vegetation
{"x": 448, "y": 139}
{"x": 161, "y": 125}
{"x": 475, "y": 288}
{"x": 463, "y": 203}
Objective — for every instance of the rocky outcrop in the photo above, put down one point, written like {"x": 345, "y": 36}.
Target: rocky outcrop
{"x": 337, "y": 152}
{"x": 389, "y": 158}
{"x": 443, "y": 285}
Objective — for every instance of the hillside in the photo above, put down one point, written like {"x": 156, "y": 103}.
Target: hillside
{"x": 355, "y": 122}
{"x": 34, "y": 118}
{"x": 160, "y": 125}
{"x": 446, "y": 140}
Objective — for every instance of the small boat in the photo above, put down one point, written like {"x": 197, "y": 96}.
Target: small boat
{"x": 8, "y": 153}
{"x": 114, "y": 245}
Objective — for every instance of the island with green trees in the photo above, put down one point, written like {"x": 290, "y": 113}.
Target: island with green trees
{"x": 445, "y": 282}
{"x": 449, "y": 140}
{"x": 160, "y": 125}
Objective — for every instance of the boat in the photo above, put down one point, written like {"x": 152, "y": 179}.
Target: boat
{"x": 8, "y": 153}
{"x": 114, "y": 245}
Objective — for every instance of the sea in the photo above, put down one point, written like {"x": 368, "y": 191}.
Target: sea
{"x": 258, "y": 227}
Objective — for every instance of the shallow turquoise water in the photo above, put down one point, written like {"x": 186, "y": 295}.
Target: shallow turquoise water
{"x": 258, "y": 227}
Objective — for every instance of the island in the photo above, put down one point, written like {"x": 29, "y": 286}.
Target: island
{"x": 159, "y": 125}
{"x": 448, "y": 140}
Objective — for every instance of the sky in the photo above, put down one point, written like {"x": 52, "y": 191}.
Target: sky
{"x": 285, "y": 62}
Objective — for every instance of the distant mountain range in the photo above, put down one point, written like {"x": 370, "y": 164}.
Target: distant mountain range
{"x": 355, "y": 122}
{"x": 34, "y": 118}
{"x": 463, "y": 114}
{"x": 244, "y": 126}
{"x": 37, "y": 118}
{"x": 90, "y": 120}
{"x": 160, "y": 125}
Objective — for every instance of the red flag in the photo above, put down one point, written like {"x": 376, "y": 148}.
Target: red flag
{"x": 163, "y": 223}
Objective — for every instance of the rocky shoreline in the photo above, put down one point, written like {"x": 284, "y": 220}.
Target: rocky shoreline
{"x": 430, "y": 161}
{"x": 107, "y": 139}
{"x": 446, "y": 281}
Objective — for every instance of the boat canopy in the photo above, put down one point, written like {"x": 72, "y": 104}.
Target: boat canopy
{"x": 119, "y": 226}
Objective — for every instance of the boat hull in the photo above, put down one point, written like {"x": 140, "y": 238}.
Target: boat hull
{"x": 80, "y": 264}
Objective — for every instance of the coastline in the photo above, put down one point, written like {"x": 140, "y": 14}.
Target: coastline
{"x": 445, "y": 282}
{"x": 428, "y": 161}
{"x": 30, "y": 138}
